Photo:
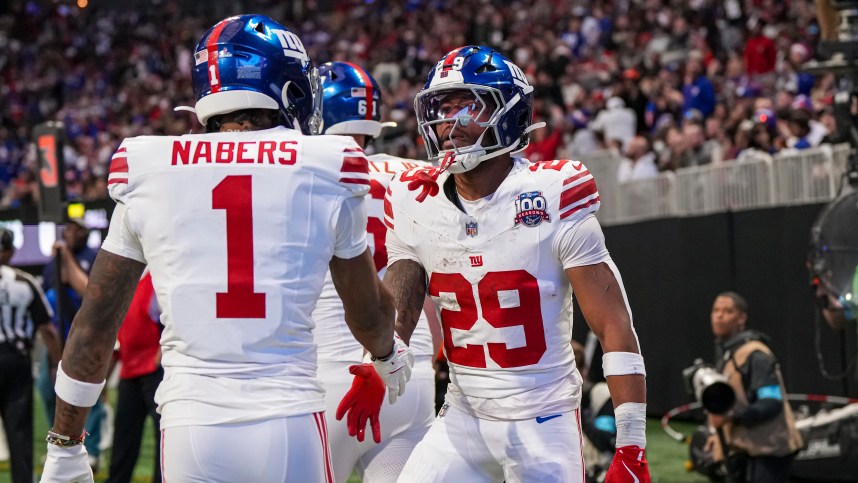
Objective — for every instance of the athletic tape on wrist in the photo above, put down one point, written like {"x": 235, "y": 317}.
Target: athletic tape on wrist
{"x": 77, "y": 393}
{"x": 631, "y": 424}
{"x": 623, "y": 364}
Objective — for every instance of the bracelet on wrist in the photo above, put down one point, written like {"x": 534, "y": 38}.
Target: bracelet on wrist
{"x": 387, "y": 357}
{"x": 65, "y": 441}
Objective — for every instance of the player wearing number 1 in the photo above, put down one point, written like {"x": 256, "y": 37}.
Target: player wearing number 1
{"x": 238, "y": 230}
{"x": 351, "y": 105}
{"x": 502, "y": 243}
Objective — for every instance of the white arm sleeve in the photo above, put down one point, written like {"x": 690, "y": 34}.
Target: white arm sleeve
{"x": 580, "y": 244}
{"x": 351, "y": 228}
{"x": 121, "y": 239}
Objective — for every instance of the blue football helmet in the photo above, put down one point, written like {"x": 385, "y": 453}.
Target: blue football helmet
{"x": 475, "y": 84}
{"x": 253, "y": 62}
{"x": 351, "y": 100}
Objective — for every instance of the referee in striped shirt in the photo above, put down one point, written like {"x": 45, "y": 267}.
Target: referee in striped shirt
{"x": 23, "y": 309}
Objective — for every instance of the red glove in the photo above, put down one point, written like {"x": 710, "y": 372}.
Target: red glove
{"x": 426, "y": 182}
{"x": 629, "y": 466}
{"x": 363, "y": 401}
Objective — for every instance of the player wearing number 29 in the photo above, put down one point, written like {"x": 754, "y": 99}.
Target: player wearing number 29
{"x": 351, "y": 105}
{"x": 502, "y": 243}
{"x": 238, "y": 230}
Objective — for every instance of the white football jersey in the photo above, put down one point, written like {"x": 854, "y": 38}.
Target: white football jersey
{"x": 237, "y": 230}
{"x": 497, "y": 276}
{"x": 335, "y": 340}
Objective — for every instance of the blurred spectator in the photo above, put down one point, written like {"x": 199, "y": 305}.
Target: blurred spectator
{"x": 699, "y": 151}
{"x": 829, "y": 122}
{"x": 639, "y": 162}
{"x": 698, "y": 92}
{"x": 634, "y": 96}
{"x": 584, "y": 140}
{"x": 791, "y": 79}
{"x": 799, "y": 127}
{"x": 760, "y": 51}
{"x": 113, "y": 73}
{"x": 761, "y": 139}
{"x": 617, "y": 123}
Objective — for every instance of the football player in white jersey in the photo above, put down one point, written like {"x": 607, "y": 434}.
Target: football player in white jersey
{"x": 351, "y": 105}
{"x": 238, "y": 230}
{"x": 502, "y": 243}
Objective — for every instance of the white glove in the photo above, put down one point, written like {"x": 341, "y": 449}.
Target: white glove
{"x": 395, "y": 370}
{"x": 67, "y": 465}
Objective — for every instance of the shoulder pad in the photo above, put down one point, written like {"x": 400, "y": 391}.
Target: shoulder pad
{"x": 117, "y": 178}
{"x": 573, "y": 192}
{"x": 341, "y": 156}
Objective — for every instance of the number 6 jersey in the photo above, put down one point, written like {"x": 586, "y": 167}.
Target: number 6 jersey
{"x": 497, "y": 276}
{"x": 335, "y": 341}
{"x": 238, "y": 230}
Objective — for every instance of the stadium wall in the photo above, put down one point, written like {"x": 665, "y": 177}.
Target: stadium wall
{"x": 674, "y": 268}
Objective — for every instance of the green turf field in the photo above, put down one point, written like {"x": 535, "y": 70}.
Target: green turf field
{"x": 666, "y": 456}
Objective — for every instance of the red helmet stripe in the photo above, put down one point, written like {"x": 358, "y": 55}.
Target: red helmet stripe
{"x": 364, "y": 77}
{"x": 211, "y": 48}
{"x": 448, "y": 60}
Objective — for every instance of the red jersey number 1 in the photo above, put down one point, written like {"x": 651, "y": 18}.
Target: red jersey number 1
{"x": 234, "y": 195}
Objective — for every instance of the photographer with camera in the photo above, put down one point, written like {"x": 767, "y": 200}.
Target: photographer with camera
{"x": 759, "y": 430}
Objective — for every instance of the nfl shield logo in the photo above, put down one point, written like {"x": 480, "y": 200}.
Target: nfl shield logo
{"x": 471, "y": 228}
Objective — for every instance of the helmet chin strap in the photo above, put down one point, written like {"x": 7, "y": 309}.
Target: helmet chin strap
{"x": 469, "y": 161}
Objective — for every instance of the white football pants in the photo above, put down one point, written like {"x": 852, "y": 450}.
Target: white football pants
{"x": 463, "y": 448}
{"x": 283, "y": 450}
{"x": 403, "y": 424}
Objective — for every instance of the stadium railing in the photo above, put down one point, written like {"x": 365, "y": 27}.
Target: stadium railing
{"x": 755, "y": 181}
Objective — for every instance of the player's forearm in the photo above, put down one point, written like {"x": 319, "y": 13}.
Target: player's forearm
{"x": 90, "y": 344}
{"x": 372, "y": 328}
{"x": 628, "y": 388}
{"x": 406, "y": 280}
{"x": 368, "y": 309}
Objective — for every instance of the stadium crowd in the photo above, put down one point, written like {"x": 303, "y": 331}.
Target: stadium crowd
{"x": 668, "y": 83}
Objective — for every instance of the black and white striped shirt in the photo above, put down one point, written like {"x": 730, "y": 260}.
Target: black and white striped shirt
{"x": 23, "y": 307}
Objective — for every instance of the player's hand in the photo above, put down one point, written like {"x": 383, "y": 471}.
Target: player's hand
{"x": 363, "y": 402}
{"x": 629, "y": 466}
{"x": 427, "y": 183}
{"x": 395, "y": 369}
{"x": 67, "y": 465}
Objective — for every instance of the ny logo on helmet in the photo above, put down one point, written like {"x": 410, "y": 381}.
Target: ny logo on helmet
{"x": 292, "y": 45}
{"x": 517, "y": 74}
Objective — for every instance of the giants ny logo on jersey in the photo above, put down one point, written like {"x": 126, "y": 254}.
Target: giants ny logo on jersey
{"x": 530, "y": 209}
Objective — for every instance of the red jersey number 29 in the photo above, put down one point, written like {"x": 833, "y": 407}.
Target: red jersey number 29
{"x": 234, "y": 195}
{"x": 526, "y": 314}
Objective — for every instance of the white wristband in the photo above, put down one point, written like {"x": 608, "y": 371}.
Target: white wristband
{"x": 77, "y": 393}
{"x": 623, "y": 364}
{"x": 631, "y": 424}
